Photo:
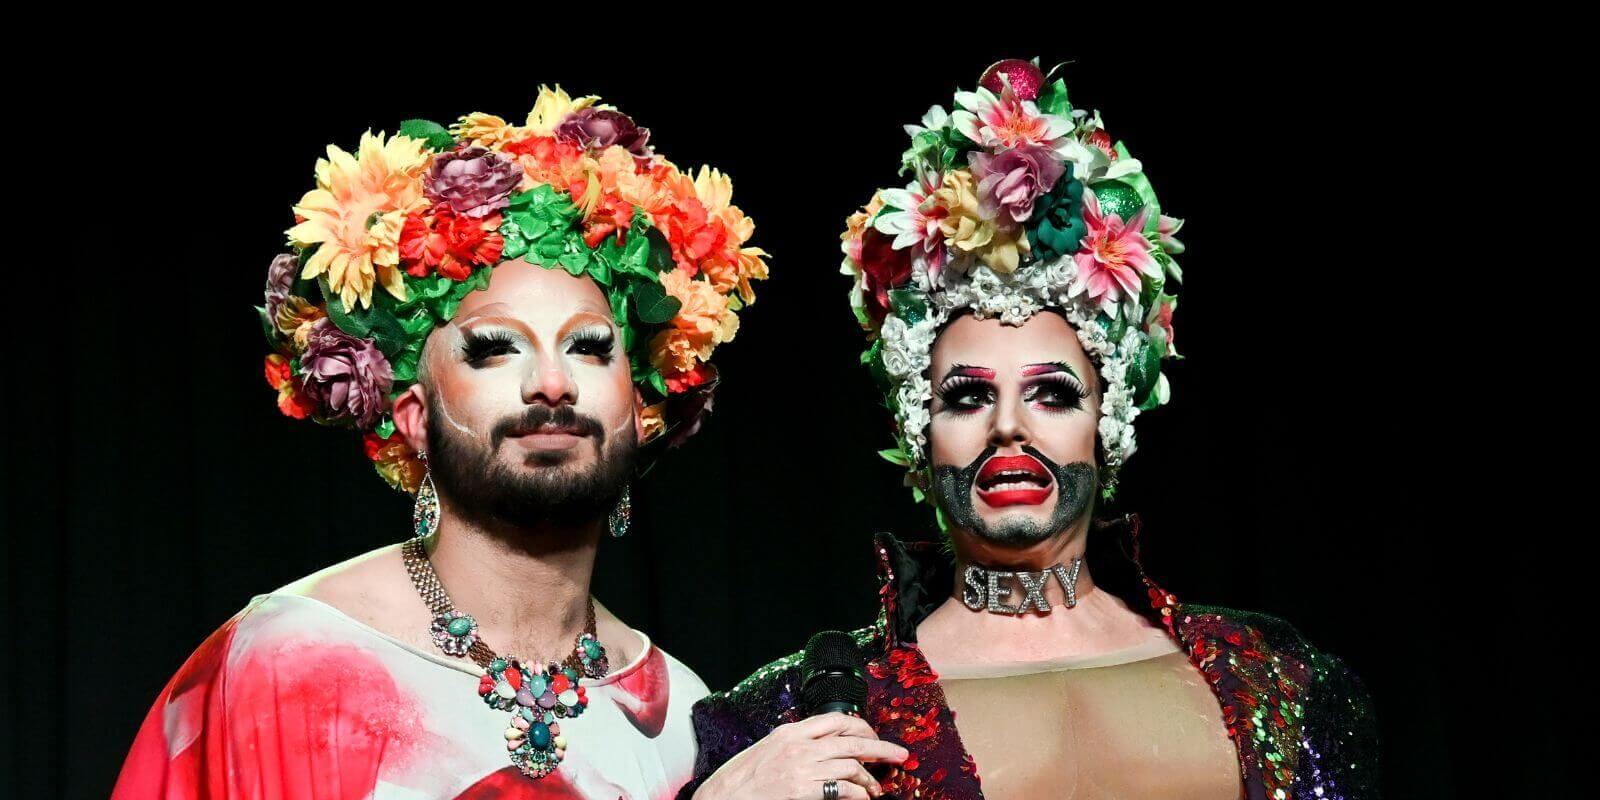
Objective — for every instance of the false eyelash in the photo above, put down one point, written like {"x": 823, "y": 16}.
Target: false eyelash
{"x": 477, "y": 346}
{"x": 602, "y": 338}
{"x": 1063, "y": 381}
{"x": 954, "y": 382}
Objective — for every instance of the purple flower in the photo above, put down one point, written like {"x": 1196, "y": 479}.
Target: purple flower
{"x": 1011, "y": 181}
{"x": 280, "y": 279}
{"x": 475, "y": 182}
{"x": 598, "y": 128}
{"x": 347, "y": 377}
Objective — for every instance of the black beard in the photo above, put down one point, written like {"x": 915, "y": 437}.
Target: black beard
{"x": 493, "y": 496}
{"x": 1074, "y": 489}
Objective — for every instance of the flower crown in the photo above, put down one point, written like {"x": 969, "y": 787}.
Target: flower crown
{"x": 396, "y": 234}
{"x": 1019, "y": 203}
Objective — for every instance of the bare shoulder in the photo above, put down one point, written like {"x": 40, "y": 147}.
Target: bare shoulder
{"x": 372, "y": 588}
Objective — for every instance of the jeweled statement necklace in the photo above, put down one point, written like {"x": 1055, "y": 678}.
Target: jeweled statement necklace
{"x": 538, "y": 694}
{"x": 983, "y": 590}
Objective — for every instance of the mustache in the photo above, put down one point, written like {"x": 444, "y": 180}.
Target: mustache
{"x": 564, "y": 418}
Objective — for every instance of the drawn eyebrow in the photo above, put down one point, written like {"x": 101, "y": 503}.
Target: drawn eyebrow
{"x": 967, "y": 371}
{"x": 1047, "y": 368}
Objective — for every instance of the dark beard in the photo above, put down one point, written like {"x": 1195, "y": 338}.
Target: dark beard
{"x": 1074, "y": 490}
{"x": 493, "y": 497}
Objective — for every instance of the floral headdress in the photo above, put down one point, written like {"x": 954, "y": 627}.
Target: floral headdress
{"x": 1018, "y": 203}
{"x": 396, "y": 234}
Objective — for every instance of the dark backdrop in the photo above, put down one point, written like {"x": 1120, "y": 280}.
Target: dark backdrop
{"x": 155, "y": 488}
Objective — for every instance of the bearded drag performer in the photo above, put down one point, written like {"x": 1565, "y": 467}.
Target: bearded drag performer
{"x": 1018, "y": 297}
{"x": 515, "y": 318}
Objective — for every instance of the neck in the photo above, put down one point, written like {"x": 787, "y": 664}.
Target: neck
{"x": 1059, "y": 549}
{"x": 528, "y": 588}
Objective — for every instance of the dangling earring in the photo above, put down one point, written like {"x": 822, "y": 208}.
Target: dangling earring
{"x": 425, "y": 514}
{"x": 621, "y": 515}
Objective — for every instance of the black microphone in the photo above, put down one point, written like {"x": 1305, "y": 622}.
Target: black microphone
{"x": 831, "y": 675}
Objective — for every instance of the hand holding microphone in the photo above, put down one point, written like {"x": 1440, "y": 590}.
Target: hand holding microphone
{"x": 821, "y": 756}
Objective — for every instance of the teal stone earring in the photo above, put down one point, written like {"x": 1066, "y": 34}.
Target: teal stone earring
{"x": 621, "y": 515}
{"x": 425, "y": 514}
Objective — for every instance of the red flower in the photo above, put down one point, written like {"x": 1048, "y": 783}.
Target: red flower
{"x": 680, "y": 382}
{"x": 440, "y": 240}
{"x": 1102, "y": 140}
{"x": 280, "y": 376}
{"x": 882, "y": 268}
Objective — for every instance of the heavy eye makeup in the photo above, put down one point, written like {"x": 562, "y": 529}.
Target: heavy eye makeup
{"x": 479, "y": 347}
{"x": 592, "y": 341}
{"x": 1057, "y": 391}
{"x": 966, "y": 389}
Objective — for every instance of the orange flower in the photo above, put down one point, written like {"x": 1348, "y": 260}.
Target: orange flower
{"x": 395, "y": 461}
{"x": 704, "y": 315}
{"x": 353, "y": 217}
{"x": 673, "y": 352}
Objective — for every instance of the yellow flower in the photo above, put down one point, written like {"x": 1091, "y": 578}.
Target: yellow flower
{"x": 486, "y": 130}
{"x": 354, "y": 215}
{"x": 714, "y": 189}
{"x": 295, "y": 318}
{"x": 752, "y": 266}
{"x": 966, "y": 227}
{"x": 654, "y": 420}
{"x": 552, "y": 107}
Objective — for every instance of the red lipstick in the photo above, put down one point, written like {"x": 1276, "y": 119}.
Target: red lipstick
{"x": 1013, "y": 481}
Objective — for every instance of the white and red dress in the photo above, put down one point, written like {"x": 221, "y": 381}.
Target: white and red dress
{"x": 291, "y": 698}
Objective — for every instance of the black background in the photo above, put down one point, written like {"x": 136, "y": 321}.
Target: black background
{"x": 155, "y": 488}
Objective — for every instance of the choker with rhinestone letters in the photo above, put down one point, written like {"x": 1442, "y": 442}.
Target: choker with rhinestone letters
{"x": 988, "y": 589}
{"x": 537, "y": 694}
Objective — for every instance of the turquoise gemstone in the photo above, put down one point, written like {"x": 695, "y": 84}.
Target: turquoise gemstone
{"x": 527, "y": 714}
{"x": 497, "y": 665}
{"x": 539, "y": 735}
{"x": 460, "y": 626}
{"x": 591, "y": 648}
{"x": 537, "y": 686}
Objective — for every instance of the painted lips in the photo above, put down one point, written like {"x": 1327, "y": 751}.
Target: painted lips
{"x": 1014, "y": 481}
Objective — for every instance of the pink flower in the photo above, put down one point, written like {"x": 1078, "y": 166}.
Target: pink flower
{"x": 913, "y": 221}
{"x": 1112, "y": 256}
{"x": 1008, "y": 121}
{"x": 1008, "y": 183}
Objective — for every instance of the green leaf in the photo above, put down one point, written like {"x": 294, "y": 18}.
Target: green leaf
{"x": 355, "y": 323}
{"x": 268, "y": 329}
{"x": 405, "y": 363}
{"x": 895, "y": 456}
{"x": 385, "y": 427}
{"x": 437, "y": 136}
{"x": 659, "y": 258}
{"x": 1053, "y": 100}
{"x": 388, "y": 334}
{"x": 575, "y": 261}
{"x": 658, "y": 383}
{"x": 653, "y": 304}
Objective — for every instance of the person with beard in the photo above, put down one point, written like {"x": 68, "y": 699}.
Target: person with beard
{"x": 1018, "y": 298}
{"x": 515, "y": 318}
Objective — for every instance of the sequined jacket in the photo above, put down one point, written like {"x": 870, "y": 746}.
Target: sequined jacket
{"x": 1300, "y": 720}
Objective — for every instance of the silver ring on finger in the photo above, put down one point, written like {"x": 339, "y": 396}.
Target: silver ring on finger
{"x": 830, "y": 790}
